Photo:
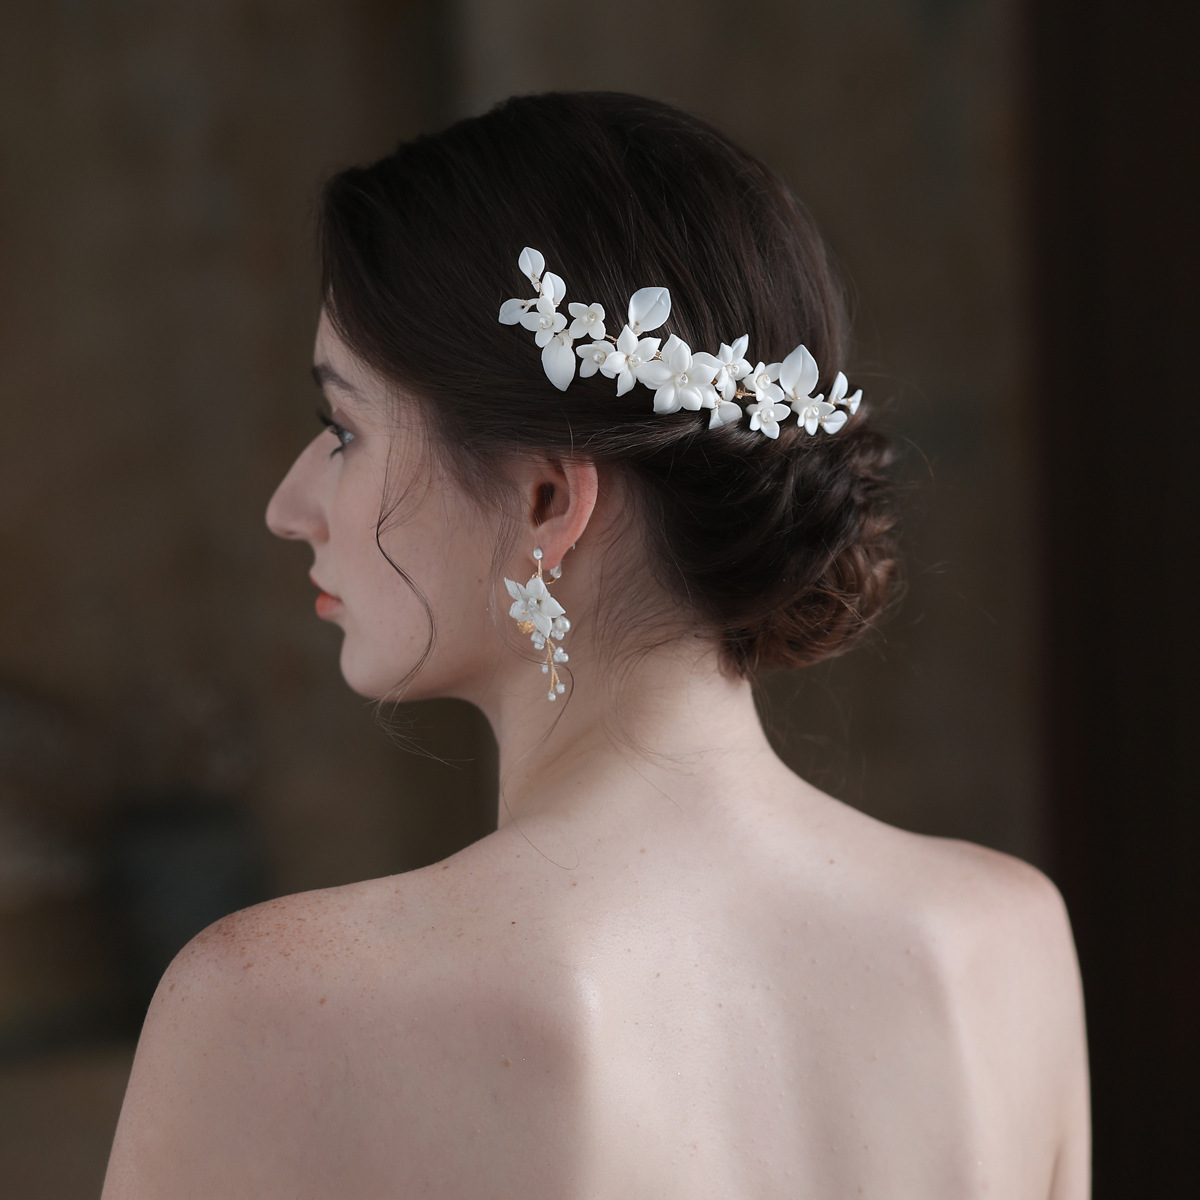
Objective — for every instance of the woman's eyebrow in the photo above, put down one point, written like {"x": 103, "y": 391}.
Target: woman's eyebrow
{"x": 325, "y": 376}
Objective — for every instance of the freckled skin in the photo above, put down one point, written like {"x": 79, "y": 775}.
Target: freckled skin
{"x": 675, "y": 971}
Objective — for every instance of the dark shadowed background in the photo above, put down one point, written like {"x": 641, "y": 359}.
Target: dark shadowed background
{"x": 1006, "y": 186}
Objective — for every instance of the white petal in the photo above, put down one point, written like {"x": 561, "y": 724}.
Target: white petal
{"x": 839, "y": 389}
{"x": 738, "y": 349}
{"x": 514, "y": 588}
{"x": 511, "y": 311}
{"x": 666, "y": 399}
{"x": 727, "y": 387}
{"x": 798, "y": 373}
{"x": 707, "y": 362}
{"x": 625, "y": 381}
{"x": 647, "y": 348}
{"x": 531, "y": 319}
{"x": 627, "y": 341}
{"x": 726, "y": 414}
{"x": 551, "y": 607}
{"x": 677, "y": 354}
{"x": 649, "y": 307}
{"x": 655, "y": 374}
{"x": 558, "y": 361}
{"x": 854, "y": 401}
{"x": 708, "y": 395}
{"x": 541, "y": 623}
{"x": 613, "y": 365}
{"x": 532, "y": 264}
{"x": 576, "y": 309}
{"x": 553, "y": 286}
{"x": 810, "y": 419}
{"x": 835, "y": 420}
{"x": 771, "y": 429}
{"x": 691, "y": 398}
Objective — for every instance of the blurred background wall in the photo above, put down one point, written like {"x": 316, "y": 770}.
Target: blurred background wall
{"x": 175, "y": 740}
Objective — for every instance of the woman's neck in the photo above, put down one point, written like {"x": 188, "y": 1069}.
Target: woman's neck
{"x": 668, "y": 717}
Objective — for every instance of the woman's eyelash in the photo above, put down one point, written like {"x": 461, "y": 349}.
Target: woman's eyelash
{"x": 344, "y": 436}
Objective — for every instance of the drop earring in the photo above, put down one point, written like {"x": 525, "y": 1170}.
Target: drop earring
{"x": 538, "y": 614}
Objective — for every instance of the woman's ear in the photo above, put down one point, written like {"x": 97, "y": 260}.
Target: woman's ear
{"x": 560, "y": 496}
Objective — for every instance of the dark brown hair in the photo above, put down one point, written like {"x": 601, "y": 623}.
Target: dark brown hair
{"x": 779, "y": 548}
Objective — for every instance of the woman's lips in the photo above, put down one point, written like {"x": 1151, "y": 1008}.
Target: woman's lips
{"x": 327, "y": 605}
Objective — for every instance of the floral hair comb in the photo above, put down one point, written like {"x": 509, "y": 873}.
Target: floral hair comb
{"x": 680, "y": 379}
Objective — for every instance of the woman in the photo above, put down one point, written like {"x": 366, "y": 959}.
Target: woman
{"x": 676, "y": 969}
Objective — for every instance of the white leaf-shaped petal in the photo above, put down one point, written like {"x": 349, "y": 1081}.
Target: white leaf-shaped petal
{"x": 708, "y": 395}
{"x": 725, "y": 414}
{"x": 839, "y": 389}
{"x": 854, "y": 401}
{"x": 798, "y": 373}
{"x": 554, "y": 288}
{"x": 677, "y": 354}
{"x": 511, "y": 311}
{"x": 625, "y": 381}
{"x": 690, "y": 397}
{"x": 532, "y": 264}
{"x": 531, "y": 319}
{"x": 738, "y": 349}
{"x": 707, "y": 362}
{"x": 666, "y": 399}
{"x": 514, "y": 588}
{"x": 627, "y": 341}
{"x": 649, "y": 307}
{"x": 558, "y": 361}
{"x": 770, "y": 428}
{"x": 655, "y": 373}
{"x": 835, "y": 420}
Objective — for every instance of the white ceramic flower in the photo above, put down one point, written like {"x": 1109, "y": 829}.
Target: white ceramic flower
{"x": 819, "y": 414}
{"x": 649, "y": 308}
{"x": 544, "y": 320}
{"x": 837, "y": 394}
{"x": 593, "y": 356}
{"x": 798, "y": 375}
{"x": 588, "y": 322}
{"x": 679, "y": 381}
{"x": 534, "y": 603}
{"x": 729, "y": 365}
{"x": 766, "y": 417}
{"x": 761, "y": 381}
{"x": 630, "y": 357}
{"x": 550, "y": 287}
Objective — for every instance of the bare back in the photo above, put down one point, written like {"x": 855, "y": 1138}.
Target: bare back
{"x": 778, "y": 999}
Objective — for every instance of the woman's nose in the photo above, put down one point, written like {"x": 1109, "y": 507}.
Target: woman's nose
{"x": 294, "y": 510}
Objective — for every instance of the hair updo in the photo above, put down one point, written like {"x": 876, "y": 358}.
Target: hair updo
{"x": 780, "y": 548}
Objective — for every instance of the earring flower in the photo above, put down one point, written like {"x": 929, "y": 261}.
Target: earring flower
{"x": 538, "y": 614}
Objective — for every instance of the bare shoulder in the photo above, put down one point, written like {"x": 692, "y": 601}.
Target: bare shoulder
{"x": 997, "y": 937}
{"x": 308, "y": 1045}
{"x": 232, "y": 1041}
